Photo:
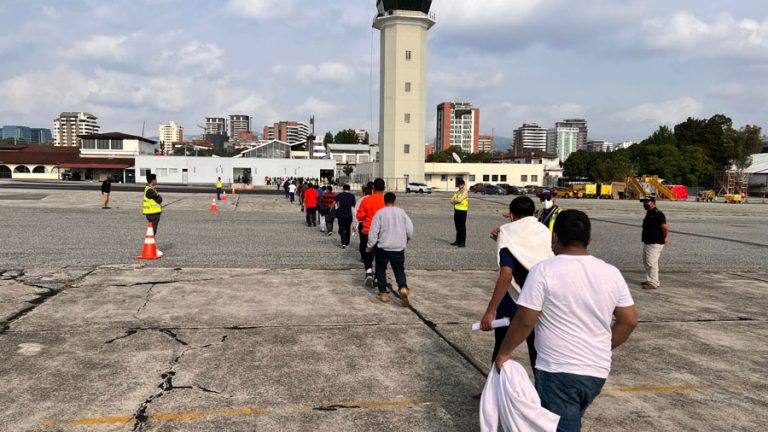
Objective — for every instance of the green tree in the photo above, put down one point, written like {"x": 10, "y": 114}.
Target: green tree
{"x": 328, "y": 138}
{"x": 348, "y": 170}
{"x": 579, "y": 165}
{"x": 346, "y": 136}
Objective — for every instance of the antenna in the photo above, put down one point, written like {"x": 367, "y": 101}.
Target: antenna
{"x": 456, "y": 158}
{"x": 143, "y": 123}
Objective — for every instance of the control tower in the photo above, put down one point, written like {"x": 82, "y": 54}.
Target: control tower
{"x": 403, "y": 94}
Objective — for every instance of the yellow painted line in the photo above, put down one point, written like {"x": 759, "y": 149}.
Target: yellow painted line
{"x": 672, "y": 389}
{"x": 196, "y": 415}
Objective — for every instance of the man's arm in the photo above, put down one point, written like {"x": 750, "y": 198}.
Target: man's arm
{"x": 408, "y": 227}
{"x": 373, "y": 232}
{"x": 502, "y": 286}
{"x": 664, "y": 231}
{"x": 626, "y": 321}
{"x": 519, "y": 329}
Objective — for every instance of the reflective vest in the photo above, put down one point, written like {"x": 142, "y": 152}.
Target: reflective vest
{"x": 150, "y": 206}
{"x": 549, "y": 219}
{"x": 219, "y": 185}
{"x": 461, "y": 205}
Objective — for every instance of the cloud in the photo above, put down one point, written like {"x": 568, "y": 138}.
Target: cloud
{"x": 99, "y": 47}
{"x": 662, "y": 113}
{"x": 460, "y": 80}
{"x": 259, "y": 9}
{"x": 193, "y": 58}
{"x": 313, "y": 106}
{"x": 325, "y": 72}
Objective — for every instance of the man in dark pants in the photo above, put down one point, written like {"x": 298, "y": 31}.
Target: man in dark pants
{"x": 389, "y": 233}
{"x": 365, "y": 213}
{"x": 219, "y": 189}
{"x": 310, "y": 203}
{"x": 460, "y": 203}
{"x": 345, "y": 203}
{"x": 152, "y": 208}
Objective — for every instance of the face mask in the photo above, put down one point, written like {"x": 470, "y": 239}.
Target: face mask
{"x": 548, "y": 204}
{"x": 646, "y": 207}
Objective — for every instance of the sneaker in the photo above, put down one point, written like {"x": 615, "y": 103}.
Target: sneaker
{"x": 455, "y": 244}
{"x": 383, "y": 297}
{"x": 369, "y": 280}
{"x": 649, "y": 286}
{"x": 404, "y": 297}
{"x": 461, "y": 245}
{"x": 343, "y": 246}
{"x": 159, "y": 253}
{"x": 330, "y": 233}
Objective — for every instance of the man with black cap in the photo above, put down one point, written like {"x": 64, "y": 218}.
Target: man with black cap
{"x": 550, "y": 210}
{"x": 654, "y": 238}
{"x": 152, "y": 208}
{"x": 460, "y": 201}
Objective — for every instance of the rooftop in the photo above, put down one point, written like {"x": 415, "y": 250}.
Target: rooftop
{"x": 117, "y": 135}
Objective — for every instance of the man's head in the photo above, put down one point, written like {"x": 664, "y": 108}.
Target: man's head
{"x": 389, "y": 199}
{"x": 219, "y": 178}
{"x": 460, "y": 183}
{"x": 649, "y": 203}
{"x": 521, "y": 207}
{"x": 328, "y": 189}
{"x": 378, "y": 185}
{"x": 367, "y": 190}
{"x": 572, "y": 230}
{"x": 346, "y": 188}
{"x": 547, "y": 200}
{"x": 151, "y": 179}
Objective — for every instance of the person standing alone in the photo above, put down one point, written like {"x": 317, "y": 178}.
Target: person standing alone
{"x": 106, "y": 189}
{"x": 460, "y": 203}
{"x": 654, "y": 238}
{"x": 389, "y": 233}
{"x": 219, "y": 189}
{"x": 152, "y": 206}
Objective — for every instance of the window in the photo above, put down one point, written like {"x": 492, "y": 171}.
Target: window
{"x": 102, "y": 144}
{"x": 471, "y": 177}
{"x": 117, "y": 144}
{"x": 407, "y": 87}
{"x": 427, "y": 177}
{"x": 504, "y": 177}
{"x": 143, "y": 172}
{"x": 495, "y": 177}
{"x": 407, "y": 117}
{"x": 534, "y": 178}
{"x": 443, "y": 177}
{"x": 408, "y": 56}
{"x": 523, "y": 178}
{"x": 486, "y": 177}
{"x": 88, "y": 144}
{"x": 173, "y": 171}
{"x": 407, "y": 149}
{"x": 162, "y": 172}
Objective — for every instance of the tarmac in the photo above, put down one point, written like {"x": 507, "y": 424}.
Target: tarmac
{"x": 252, "y": 321}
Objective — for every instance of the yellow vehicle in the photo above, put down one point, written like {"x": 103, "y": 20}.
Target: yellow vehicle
{"x": 569, "y": 193}
{"x": 733, "y": 198}
{"x": 605, "y": 191}
{"x": 590, "y": 190}
{"x": 706, "y": 196}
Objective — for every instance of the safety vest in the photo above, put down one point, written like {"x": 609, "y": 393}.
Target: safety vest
{"x": 219, "y": 185}
{"x": 461, "y": 205}
{"x": 549, "y": 220}
{"x": 150, "y": 206}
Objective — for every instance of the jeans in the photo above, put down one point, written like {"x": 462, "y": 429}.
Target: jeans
{"x": 507, "y": 309}
{"x": 345, "y": 226}
{"x": 651, "y": 255}
{"x": 567, "y": 395}
{"x": 322, "y": 222}
{"x": 397, "y": 260}
{"x": 460, "y": 220}
{"x": 311, "y": 216}
{"x": 155, "y": 220}
{"x": 218, "y": 193}
{"x": 365, "y": 256}
{"x": 293, "y": 195}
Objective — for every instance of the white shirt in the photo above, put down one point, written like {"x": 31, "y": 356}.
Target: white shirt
{"x": 292, "y": 188}
{"x": 576, "y": 297}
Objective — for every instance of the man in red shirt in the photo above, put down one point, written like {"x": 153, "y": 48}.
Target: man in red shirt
{"x": 368, "y": 208}
{"x": 310, "y": 203}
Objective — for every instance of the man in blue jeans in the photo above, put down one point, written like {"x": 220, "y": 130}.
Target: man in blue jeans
{"x": 390, "y": 231}
{"x": 571, "y": 300}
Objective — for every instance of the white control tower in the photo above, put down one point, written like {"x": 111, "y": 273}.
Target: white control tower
{"x": 403, "y": 95}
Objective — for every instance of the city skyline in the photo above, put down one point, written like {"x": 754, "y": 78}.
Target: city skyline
{"x": 630, "y": 67}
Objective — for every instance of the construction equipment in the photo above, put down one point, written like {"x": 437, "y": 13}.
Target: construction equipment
{"x": 569, "y": 192}
{"x": 618, "y": 190}
{"x": 660, "y": 188}
{"x": 590, "y": 190}
{"x": 635, "y": 189}
{"x": 605, "y": 191}
{"x": 706, "y": 196}
{"x": 733, "y": 185}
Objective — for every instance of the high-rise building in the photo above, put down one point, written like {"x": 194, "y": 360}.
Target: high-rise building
{"x": 562, "y": 141}
{"x": 403, "y": 25}
{"x": 598, "y": 146}
{"x": 41, "y": 136}
{"x": 291, "y": 132}
{"x": 362, "y": 136}
{"x": 69, "y": 125}
{"x": 168, "y": 134}
{"x": 581, "y": 125}
{"x": 215, "y": 126}
{"x": 239, "y": 123}
{"x": 20, "y": 134}
{"x": 623, "y": 145}
{"x": 485, "y": 143}
{"x": 458, "y": 124}
{"x": 530, "y": 136}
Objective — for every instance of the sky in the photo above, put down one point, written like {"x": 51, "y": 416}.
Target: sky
{"x": 627, "y": 66}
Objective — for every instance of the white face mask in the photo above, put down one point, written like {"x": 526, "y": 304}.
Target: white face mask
{"x": 548, "y": 204}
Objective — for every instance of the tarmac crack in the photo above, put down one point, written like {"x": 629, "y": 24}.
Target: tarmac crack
{"x": 146, "y": 300}
{"x": 166, "y": 386}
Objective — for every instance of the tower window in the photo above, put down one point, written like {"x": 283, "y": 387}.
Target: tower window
{"x": 407, "y": 117}
{"x": 407, "y": 87}
{"x": 407, "y": 148}
{"x": 408, "y": 56}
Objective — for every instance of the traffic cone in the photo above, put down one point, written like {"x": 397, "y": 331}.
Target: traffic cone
{"x": 233, "y": 191}
{"x": 149, "y": 252}
{"x": 214, "y": 207}
{"x": 223, "y": 195}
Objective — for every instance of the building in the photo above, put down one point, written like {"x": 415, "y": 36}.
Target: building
{"x": 598, "y": 146}
{"x": 115, "y": 144}
{"x": 443, "y": 176}
{"x": 169, "y": 134}
{"x": 562, "y": 141}
{"x": 458, "y": 124}
{"x": 581, "y": 125}
{"x": 623, "y": 145}
{"x": 758, "y": 175}
{"x": 428, "y": 150}
{"x": 292, "y": 132}
{"x": 41, "y": 136}
{"x": 403, "y": 25}
{"x": 530, "y": 136}
{"x": 43, "y": 162}
{"x": 239, "y": 124}
{"x": 215, "y": 126}
{"x": 69, "y": 125}
{"x": 485, "y": 144}
{"x": 19, "y": 134}
{"x": 362, "y": 136}
{"x": 551, "y": 163}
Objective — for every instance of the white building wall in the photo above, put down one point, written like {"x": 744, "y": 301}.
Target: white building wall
{"x": 443, "y": 175}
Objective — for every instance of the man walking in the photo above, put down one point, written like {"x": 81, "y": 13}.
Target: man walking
{"x": 106, "y": 189}
{"x": 219, "y": 189}
{"x": 345, "y": 203}
{"x": 571, "y": 300}
{"x": 328, "y": 205}
{"x": 365, "y": 213}
{"x": 460, "y": 203}
{"x": 152, "y": 208}
{"x": 310, "y": 204}
{"x": 389, "y": 233}
{"x": 654, "y": 238}
{"x": 292, "y": 191}
{"x": 550, "y": 210}
{"x": 520, "y": 245}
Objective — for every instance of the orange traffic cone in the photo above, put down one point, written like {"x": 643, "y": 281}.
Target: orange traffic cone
{"x": 223, "y": 195}
{"x": 150, "y": 248}
{"x": 233, "y": 191}
{"x": 214, "y": 206}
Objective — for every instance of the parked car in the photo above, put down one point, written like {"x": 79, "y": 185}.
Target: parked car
{"x": 418, "y": 188}
{"x": 490, "y": 189}
{"x": 501, "y": 190}
{"x": 511, "y": 190}
{"x": 477, "y": 188}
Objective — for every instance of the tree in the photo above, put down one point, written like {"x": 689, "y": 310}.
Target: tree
{"x": 328, "y": 138}
{"x": 348, "y": 170}
{"x": 446, "y": 156}
{"x": 346, "y": 136}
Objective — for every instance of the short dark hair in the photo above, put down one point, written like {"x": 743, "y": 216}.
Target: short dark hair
{"x": 459, "y": 182}
{"x": 573, "y": 228}
{"x": 378, "y": 185}
{"x": 346, "y": 187}
{"x": 522, "y": 206}
{"x": 329, "y": 188}
{"x": 151, "y": 177}
{"x": 389, "y": 198}
{"x": 367, "y": 190}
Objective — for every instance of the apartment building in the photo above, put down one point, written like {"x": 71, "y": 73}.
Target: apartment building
{"x": 458, "y": 124}
{"x": 69, "y": 125}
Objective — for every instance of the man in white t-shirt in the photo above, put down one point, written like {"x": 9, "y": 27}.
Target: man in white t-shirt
{"x": 571, "y": 300}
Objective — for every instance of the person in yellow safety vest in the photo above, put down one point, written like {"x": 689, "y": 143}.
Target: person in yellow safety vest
{"x": 460, "y": 201}
{"x": 219, "y": 188}
{"x": 550, "y": 211}
{"x": 152, "y": 208}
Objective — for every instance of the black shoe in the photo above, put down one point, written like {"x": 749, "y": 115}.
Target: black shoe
{"x": 461, "y": 245}
{"x": 455, "y": 244}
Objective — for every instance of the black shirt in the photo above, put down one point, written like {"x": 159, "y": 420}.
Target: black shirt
{"x": 106, "y": 186}
{"x": 652, "y": 233}
{"x": 519, "y": 272}
{"x": 346, "y": 202}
